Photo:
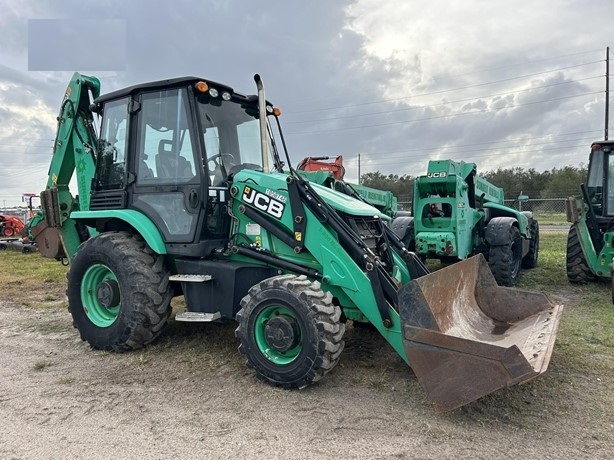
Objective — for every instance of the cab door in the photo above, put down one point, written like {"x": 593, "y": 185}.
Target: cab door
{"x": 167, "y": 165}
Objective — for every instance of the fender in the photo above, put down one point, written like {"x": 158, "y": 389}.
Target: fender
{"x": 402, "y": 225}
{"x": 137, "y": 220}
{"x": 498, "y": 230}
{"x": 522, "y": 220}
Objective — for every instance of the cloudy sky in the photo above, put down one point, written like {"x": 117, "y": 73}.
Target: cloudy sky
{"x": 392, "y": 82}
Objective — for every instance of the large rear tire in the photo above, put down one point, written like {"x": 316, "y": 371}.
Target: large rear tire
{"x": 118, "y": 292}
{"x": 578, "y": 271}
{"x": 290, "y": 331}
{"x": 505, "y": 260}
{"x": 530, "y": 259}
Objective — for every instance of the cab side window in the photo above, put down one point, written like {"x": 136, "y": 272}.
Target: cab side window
{"x": 112, "y": 146}
{"x": 165, "y": 153}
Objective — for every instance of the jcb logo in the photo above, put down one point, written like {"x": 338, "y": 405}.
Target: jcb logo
{"x": 263, "y": 202}
{"x": 437, "y": 174}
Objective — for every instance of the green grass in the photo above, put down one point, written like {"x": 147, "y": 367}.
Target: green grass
{"x": 40, "y": 365}
{"x": 32, "y": 280}
{"x": 550, "y": 273}
{"x": 551, "y": 218}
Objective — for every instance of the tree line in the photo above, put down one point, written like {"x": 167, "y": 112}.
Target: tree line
{"x": 554, "y": 183}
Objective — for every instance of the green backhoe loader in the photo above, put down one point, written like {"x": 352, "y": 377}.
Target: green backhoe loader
{"x": 182, "y": 191}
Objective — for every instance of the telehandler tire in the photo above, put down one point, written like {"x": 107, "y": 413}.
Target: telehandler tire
{"x": 530, "y": 259}
{"x": 505, "y": 260}
{"x": 578, "y": 271}
{"x": 118, "y": 292}
{"x": 290, "y": 331}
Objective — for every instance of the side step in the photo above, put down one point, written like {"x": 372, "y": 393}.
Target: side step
{"x": 190, "y": 278}
{"x": 197, "y": 317}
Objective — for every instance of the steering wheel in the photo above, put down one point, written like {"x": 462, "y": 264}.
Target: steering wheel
{"x": 215, "y": 162}
{"x": 214, "y": 165}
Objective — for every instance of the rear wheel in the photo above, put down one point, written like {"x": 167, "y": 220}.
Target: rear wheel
{"x": 578, "y": 271}
{"x": 290, "y": 331}
{"x": 118, "y": 292}
{"x": 505, "y": 260}
{"x": 409, "y": 240}
{"x": 530, "y": 259}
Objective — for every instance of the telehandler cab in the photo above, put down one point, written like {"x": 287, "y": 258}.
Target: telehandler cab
{"x": 590, "y": 242}
{"x": 183, "y": 192}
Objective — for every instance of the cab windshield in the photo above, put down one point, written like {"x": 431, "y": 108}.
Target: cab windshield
{"x": 231, "y": 136}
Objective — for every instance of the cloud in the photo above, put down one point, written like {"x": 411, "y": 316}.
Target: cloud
{"x": 498, "y": 83}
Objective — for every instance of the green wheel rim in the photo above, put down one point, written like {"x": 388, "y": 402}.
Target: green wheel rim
{"x": 275, "y": 356}
{"x": 98, "y": 314}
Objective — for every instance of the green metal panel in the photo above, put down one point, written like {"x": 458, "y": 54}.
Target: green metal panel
{"x": 523, "y": 221}
{"x": 141, "y": 223}
{"x": 342, "y": 276}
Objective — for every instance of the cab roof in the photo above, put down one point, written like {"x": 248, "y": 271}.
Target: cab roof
{"x": 160, "y": 84}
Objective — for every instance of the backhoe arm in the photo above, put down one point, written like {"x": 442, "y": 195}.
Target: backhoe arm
{"x": 73, "y": 150}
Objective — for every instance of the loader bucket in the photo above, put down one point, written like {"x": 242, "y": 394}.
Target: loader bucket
{"x": 466, "y": 337}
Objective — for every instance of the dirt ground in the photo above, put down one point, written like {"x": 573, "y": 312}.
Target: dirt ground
{"x": 190, "y": 396}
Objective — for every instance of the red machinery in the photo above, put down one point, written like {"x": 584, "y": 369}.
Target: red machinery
{"x": 10, "y": 226}
{"x": 315, "y": 164}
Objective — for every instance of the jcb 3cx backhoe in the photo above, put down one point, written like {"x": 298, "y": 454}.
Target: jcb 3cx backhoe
{"x": 182, "y": 192}
{"x": 590, "y": 242}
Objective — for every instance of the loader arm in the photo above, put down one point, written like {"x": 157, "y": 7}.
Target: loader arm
{"x": 462, "y": 334}
{"x": 74, "y": 149}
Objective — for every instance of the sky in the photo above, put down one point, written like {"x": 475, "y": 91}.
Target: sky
{"x": 387, "y": 84}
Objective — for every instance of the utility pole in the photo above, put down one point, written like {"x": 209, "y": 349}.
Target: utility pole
{"x": 359, "y": 169}
{"x": 607, "y": 90}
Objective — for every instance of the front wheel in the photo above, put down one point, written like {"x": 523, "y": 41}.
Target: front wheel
{"x": 118, "y": 292}
{"x": 290, "y": 331}
{"x": 578, "y": 270}
{"x": 504, "y": 260}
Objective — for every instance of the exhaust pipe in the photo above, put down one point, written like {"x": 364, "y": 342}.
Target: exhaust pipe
{"x": 263, "y": 123}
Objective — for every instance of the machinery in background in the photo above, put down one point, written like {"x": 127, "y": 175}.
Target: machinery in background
{"x": 10, "y": 226}
{"x": 457, "y": 214}
{"x": 590, "y": 242}
{"x": 331, "y": 174}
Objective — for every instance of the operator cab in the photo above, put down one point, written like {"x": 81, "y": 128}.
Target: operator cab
{"x": 600, "y": 182}
{"x": 168, "y": 149}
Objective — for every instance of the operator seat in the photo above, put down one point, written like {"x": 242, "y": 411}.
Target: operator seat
{"x": 170, "y": 164}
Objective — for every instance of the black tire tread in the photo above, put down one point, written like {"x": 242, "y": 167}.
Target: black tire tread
{"x": 578, "y": 271}
{"x": 322, "y": 312}
{"x": 502, "y": 259}
{"x": 530, "y": 260}
{"x": 145, "y": 303}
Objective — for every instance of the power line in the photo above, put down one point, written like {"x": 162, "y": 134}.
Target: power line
{"x": 476, "y": 85}
{"x": 418, "y": 107}
{"x": 473, "y": 112}
{"x": 492, "y": 143}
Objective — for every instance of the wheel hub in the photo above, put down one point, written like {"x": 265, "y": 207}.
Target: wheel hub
{"x": 282, "y": 333}
{"x": 107, "y": 293}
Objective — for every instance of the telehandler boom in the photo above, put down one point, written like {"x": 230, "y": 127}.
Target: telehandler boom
{"x": 182, "y": 192}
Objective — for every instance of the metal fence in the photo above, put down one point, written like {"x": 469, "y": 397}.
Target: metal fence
{"x": 539, "y": 205}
